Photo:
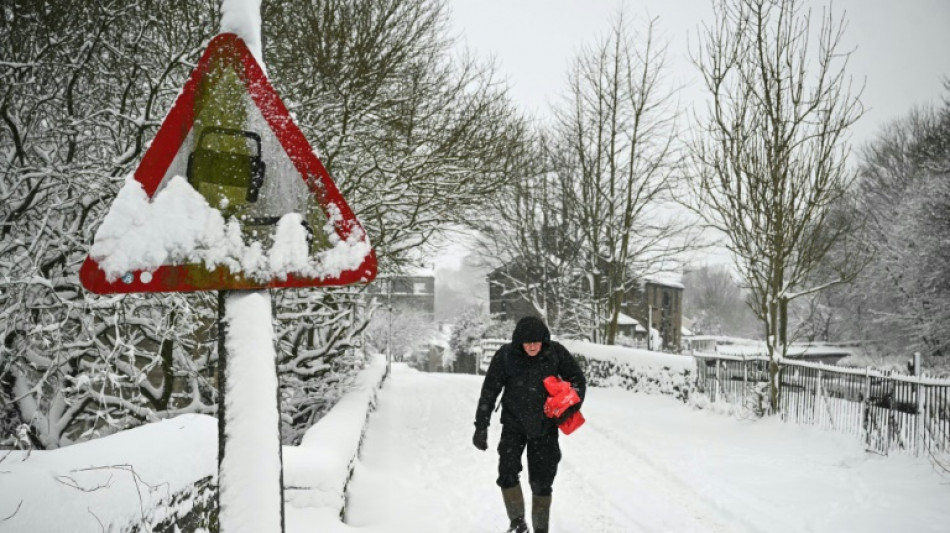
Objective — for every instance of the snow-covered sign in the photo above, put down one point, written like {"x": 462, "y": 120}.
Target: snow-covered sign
{"x": 229, "y": 195}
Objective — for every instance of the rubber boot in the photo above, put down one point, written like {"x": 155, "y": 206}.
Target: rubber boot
{"x": 540, "y": 512}
{"x": 514, "y": 506}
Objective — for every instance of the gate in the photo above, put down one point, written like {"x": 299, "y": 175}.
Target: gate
{"x": 488, "y": 349}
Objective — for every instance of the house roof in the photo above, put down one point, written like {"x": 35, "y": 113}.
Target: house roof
{"x": 627, "y": 320}
{"x": 667, "y": 279}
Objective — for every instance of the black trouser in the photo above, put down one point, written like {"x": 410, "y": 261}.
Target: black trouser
{"x": 543, "y": 457}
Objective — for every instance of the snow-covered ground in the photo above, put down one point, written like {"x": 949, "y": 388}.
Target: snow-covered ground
{"x": 641, "y": 463}
{"x": 107, "y": 483}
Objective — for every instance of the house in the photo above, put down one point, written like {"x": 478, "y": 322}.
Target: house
{"x": 661, "y": 307}
{"x": 631, "y": 327}
{"x": 413, "y": 290}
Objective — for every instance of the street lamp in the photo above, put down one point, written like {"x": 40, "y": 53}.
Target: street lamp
{"x": 649, "y": 326}
{"x": 389, "y": 336}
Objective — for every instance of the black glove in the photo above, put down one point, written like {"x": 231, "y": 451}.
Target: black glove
{"x": 480, "y": 439}
{"x": 568, "y": 413}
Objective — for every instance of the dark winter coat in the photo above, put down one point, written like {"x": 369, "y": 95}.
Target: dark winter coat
{"x": 519, "y": 378}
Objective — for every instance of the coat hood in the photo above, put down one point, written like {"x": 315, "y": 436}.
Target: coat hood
{"x": 530, "y": 329}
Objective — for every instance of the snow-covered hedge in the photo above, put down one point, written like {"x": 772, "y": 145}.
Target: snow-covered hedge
{"x": 635, "y": 369}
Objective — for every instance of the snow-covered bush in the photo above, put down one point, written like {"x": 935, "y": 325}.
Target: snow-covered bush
{"x": 85, "y": 87}
{"x": 319, "y": 353}
{"x": 635, "y": 370}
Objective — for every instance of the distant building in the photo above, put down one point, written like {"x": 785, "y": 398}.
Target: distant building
{"x": 631, "y": 327}
{"x": 413, "y": 291}
{"x": 658, "y": 301}
{"x": 661, "y": 306}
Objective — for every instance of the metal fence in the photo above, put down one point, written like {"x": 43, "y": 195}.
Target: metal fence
{"x": 891, "y": 412}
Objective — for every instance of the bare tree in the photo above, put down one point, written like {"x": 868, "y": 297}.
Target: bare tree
{"x": 770, "y": 153}
{"x": 583, "y": 218}
{"x": 900, "y": 303}
{"x": 319, "y": 334}
{"x": 415, "y": 138}
{"x": 467, "y": 332}
{"x": 532, "y": 234}
{"x": 616, "y": 150}
{"x": 403, "y": 331}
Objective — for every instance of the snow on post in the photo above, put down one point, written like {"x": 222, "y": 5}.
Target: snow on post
{"x": 243, "y": 18}
{"x": 249, "y": 481}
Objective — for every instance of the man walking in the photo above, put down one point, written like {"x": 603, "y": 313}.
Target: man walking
{"x": 517, "y": 372}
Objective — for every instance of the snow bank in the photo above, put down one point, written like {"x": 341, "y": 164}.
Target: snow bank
{"x": 317, "y": 471}
{"x": 107, "y": 484}
{"x": 635, "y": 369}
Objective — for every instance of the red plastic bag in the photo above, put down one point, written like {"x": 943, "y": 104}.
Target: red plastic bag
{"x": 561, "y": 396}
{"x": 575, "y": 421}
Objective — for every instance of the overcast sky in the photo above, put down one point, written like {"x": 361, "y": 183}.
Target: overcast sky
{"x": 901, "y": 52}
{"x": 901, "y": 47}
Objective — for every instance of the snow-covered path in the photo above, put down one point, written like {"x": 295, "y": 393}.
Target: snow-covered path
{"x": 641, "y": 464}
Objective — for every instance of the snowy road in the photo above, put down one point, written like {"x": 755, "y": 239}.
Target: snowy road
{"x": 640, "y": 464}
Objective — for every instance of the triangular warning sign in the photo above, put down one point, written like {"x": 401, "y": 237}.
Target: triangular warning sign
{"x": 255, "y": 181}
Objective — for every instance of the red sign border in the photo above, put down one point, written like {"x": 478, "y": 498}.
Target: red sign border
{"x": 169, "y": 139}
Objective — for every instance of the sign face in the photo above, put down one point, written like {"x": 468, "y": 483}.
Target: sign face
{"x": 231, "y": 137}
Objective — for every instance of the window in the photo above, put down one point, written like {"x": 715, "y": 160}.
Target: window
{"x": 419, "y": 287}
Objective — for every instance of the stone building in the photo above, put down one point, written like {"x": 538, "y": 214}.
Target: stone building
{"x": 661, "y": 306}
{"x": 412, "y": 291}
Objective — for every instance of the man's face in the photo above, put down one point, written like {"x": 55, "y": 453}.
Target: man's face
{"x": 531, "y": 348}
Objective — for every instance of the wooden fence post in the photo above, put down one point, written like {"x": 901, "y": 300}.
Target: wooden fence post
{"x": 867, "y": 406}
{"x": 716, "y": 389}
{"x": 921, "y": 433}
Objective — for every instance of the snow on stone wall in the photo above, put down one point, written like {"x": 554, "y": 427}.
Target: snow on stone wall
{"x": 317, "y": 471}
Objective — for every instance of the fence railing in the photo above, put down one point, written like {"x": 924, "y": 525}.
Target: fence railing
{"x": 891, "y": 412}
